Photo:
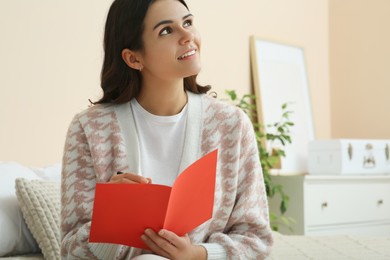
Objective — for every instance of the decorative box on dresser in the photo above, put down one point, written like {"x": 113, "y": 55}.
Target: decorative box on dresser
{"x": 330, "y": 205}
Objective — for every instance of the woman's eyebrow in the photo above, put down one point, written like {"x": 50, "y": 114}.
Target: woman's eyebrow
{"x": 169, "y": 21}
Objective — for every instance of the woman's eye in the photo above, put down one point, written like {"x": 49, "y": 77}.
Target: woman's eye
{"x": 187, "y": 23}
{"x": 165, "y": 31}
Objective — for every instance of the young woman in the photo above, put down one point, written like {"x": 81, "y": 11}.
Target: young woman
{"x": 152, "y": 122}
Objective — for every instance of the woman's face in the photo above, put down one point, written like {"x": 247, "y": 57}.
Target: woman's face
{"x": 171, "y": 42}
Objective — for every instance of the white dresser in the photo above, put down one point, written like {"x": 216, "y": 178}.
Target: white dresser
{"x": 329, "y": 205}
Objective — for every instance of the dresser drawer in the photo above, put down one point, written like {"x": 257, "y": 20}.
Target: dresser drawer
{"x": 331, "y": 203}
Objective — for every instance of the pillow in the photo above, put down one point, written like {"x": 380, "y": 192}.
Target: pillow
{"x": 15, "y": 237}
{"x": 51, "y": 172}
{"x": 40, "y": 203}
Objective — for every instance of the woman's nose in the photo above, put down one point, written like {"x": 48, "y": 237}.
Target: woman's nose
{"x": 186, "y": 36}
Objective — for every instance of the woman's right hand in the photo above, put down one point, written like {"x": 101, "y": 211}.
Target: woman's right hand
{"x": 129, "y": 178}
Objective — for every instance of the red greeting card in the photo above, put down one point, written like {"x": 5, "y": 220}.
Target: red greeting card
{"x": 122, "y": 212}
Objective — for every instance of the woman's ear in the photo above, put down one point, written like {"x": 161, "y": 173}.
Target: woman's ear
{"x": 131, "y": 59}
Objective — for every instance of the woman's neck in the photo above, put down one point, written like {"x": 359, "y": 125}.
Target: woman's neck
{"x": 163, "y": 99}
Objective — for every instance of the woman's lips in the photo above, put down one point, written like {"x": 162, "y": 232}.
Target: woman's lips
{"x": 187, "y": 54}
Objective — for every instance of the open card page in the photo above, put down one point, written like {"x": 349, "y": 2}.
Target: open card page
{"x": 122, "y": 212}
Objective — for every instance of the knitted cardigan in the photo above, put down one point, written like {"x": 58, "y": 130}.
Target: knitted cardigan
{"x": 103, "y": 140}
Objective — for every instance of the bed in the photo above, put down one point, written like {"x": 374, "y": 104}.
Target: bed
{"x": 30, "y": 198}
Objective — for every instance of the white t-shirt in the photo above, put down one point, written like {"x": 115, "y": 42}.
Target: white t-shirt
{"x": 161, "y": 141}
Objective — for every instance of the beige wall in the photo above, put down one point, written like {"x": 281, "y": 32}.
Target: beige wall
{"x": 360, "y": 68}
{"x": 51, "y": 53}
{"x": 50, "y": 60}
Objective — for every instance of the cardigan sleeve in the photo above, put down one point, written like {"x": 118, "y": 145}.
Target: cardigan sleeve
{"x": 77, "y": 194}
{"x": 247, "y": 234}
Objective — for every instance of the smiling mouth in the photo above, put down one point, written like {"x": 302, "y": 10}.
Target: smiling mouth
{"x": 187, "y": 54}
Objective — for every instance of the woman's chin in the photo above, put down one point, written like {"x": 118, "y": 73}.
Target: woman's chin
{"x": 193, "y": 72}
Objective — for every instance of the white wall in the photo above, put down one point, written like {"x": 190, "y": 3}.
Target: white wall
{"x": 51, "y": 57}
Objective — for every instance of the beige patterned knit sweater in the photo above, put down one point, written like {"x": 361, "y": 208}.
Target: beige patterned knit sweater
{"x": 103, "y": 140}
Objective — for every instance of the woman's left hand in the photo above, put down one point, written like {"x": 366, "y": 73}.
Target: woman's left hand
{"x": 167, "y": 244}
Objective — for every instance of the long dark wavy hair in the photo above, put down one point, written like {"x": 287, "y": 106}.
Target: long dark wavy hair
{"x": 123, "y": 30}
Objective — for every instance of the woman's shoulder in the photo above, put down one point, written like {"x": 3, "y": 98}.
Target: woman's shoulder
{"x": 97, "y": 113}
{"x": 222, "y": 107}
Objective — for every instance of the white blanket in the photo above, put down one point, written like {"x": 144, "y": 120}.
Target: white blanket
{"x": 330, "y": 247}
{"x": 305, "y": 247}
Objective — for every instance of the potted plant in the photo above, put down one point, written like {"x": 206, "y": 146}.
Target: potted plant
{"x": 269, "y": 156}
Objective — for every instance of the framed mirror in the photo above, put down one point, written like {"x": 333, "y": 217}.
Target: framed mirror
{"x": 279, "y": 77}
